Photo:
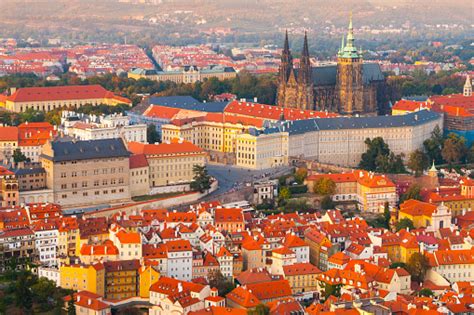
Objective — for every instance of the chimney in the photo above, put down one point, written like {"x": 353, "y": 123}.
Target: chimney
{"x": 180, "y": 287}
{"x": 89, "y": 302}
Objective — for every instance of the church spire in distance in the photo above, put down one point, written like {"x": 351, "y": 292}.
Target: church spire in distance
{"x": 349, "y": 50}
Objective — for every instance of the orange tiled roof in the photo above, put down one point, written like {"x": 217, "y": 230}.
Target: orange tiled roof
{"x": 270, "y": 290}
{"x": 228, "y": 215}
{"x": 417, "y": 208}
{"x": 300, "y": 269}
{"x": 243, "y": 297}
{"x": 337, "y": 178}
{"x": 175, "y": 147}
{"x": 8, "y": 134}
{"x": 128, "y": 237}
{"x": 138, "y": 161}
{"x": 409, "y": 105}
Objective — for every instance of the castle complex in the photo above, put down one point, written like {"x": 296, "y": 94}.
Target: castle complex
{"x": 348, "y": 87}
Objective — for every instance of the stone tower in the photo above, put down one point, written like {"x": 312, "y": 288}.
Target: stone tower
{"x": 349, "y": 83}
{"x": 305, "y": 81}
{"x": 467, "y": 87}
{"x": 295, "y": 89}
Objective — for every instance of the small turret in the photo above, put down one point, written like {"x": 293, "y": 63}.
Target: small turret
{"x": 468, "y": 87}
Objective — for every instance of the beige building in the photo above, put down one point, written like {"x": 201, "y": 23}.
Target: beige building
{"x": 188, "y": 74}
{"x": 49, "y": 98}
{"x": 87, "y": 173}
{"x": 170, "y": 163}
{"x": 340, "y": 140}
{"x": 139, "y": 175}
{"x": 257, "y": 150}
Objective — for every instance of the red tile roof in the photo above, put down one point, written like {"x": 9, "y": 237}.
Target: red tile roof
{"x": 55, "y": 93}
{"x": 175, "y": 147}
{"x": 417, "y": 208}
{"x": 8, "y": 134}
{"x": 300, "y": 269}
{"x": 243, "y": 297}
{"x": 228, "y": 215}
{"x": 270, "y": 290}
{"x": 408, "y": 105}
{"x": 138, "y": 161}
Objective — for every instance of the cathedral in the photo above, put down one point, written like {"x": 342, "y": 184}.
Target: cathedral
{"x": 349, "y": 87}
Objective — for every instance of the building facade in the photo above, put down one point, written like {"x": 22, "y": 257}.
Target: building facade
{"x": 87, "y": 173}
{"x": 349, "y": 87}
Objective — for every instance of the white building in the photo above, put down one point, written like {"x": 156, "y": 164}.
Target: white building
{"x": 51, "y": 274}
{"x": 46, "y": 243}
{"x": 180, "y": 260}
{"x": 85, "y": 127}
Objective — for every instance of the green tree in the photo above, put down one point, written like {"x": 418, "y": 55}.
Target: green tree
{"x": 42, "y": 291}
{"x": 418, "y": 162}
{"x": 425, "y": 292}
{"x": 324, "y": 186}
{"x": 386, "y": 213}
{"x": 330, "y": 289}
{"x": 375, "y": 147}
{"x": 454, "y": 149}
{"x": 300, "y": 175}
{"x": 327, "y": 203}
{"x": 260, "y": 309}
{"x": 152, "y": 135}
{"x": 413, "y": 192}
{"x": 434, "y": 145}
{"x": 284, "y": 193}
{"x": 398, "y": 264}
{"x": 201, "y": 181}
{"x": 417, "y": 266}
{"x": 404, "y": 223}
{"x": 218, "y": 281}
{"x": 71, "y": 309}
{"x": 22, "y": 291}
{"x": 18, "y": 156}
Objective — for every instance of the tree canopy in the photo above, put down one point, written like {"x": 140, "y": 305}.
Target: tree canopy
{"x": 201, "y": 181}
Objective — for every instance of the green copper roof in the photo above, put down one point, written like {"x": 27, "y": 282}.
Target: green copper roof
{"x": 349, "y": 50}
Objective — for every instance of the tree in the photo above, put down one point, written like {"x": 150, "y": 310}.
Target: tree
{"x": 425, "y": 292}
{"x": 404, "y": 223}
{"x": 454, "y": 149}
{"x": 22, "y": 292}
{"x": 375, "y": 148}
{"x": 18, "y": 156}
{"x": 434, "y": 145}
{"x": 398, "y": 264}
{"x": 417, "y": 266}
{"x": 260, "y": 309}
{"x": 324, "y": 186}
{"x": 218, "y": 281}
{"x": 71, "y": 309}
{"x": 152, "y": 135}
{"x": 201, "y": 181}
{"x": 413, "y": 192}
{"x": 327, "y": 203}
{"x": 386, "y": 213}
{"x": 300, "y": 175}
{"x": 418, "y": 162}
{"x": 330, "y": 289}
{"x": 42, "y": 292}
{"x": 284, "y": 193}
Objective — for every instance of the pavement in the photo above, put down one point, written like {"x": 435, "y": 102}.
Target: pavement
{"x": 232, "y": 178}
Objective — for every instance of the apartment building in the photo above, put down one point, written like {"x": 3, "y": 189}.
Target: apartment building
{"x": 87, "y": 173}
{"x": 170, "y": 163}
{"x": 262, "y": 150}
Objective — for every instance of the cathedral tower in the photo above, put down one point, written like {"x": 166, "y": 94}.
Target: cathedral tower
{"x": 349, "y": 84}
{"x": 305, "y": 81}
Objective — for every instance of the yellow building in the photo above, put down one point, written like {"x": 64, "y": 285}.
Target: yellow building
{"x": 373, "y": 191}
{"x": 212, "y": 132}
{"x": 400, "y": 246}
{"x": 418, "y": 212}
{"x": 121, "y": 279}
{"x": 302, "y": 277}
{"x": 148, "y": 276}
{"x": 187, "y": 74}
{"x": 83, "y": 278}
{"x": 49, "y": 98}
{"x": 170, "y": 163}
{"x": 259, "y": 151}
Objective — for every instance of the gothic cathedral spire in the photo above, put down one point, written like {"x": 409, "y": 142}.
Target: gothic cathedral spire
{"x": 286, "y": 65}
{"x": 304, "y": 74}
